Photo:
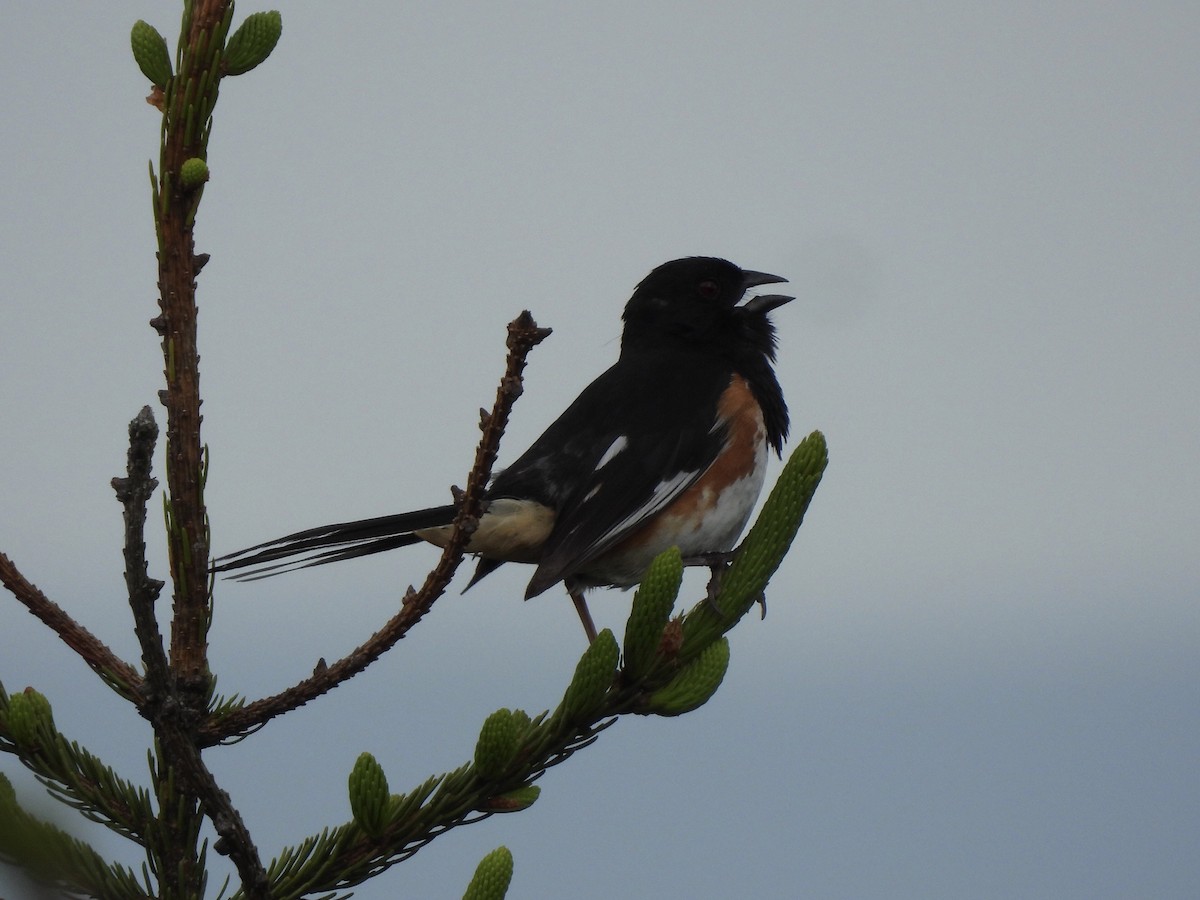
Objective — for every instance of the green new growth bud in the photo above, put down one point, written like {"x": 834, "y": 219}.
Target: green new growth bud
{"x": 492, "y": 876}
{"x": 150, "y": 52}
{"x": 698, "y": 681}
{"x": 522, "y": 721}
{"x": 193, "y": 173}
{"x": 29, "y": 717}
{"x": 252, "y": 42}
{"x": 652, "y": 605}
{"x": 369, "y": 797}
{"x": 780, "y": 519}
{"x": 764, "y": 547}
{"x": 593, "y": 677}
{"x": 8, "y": 796}
{"x": 497, "y": 743}
{"x": 513, "y": 801}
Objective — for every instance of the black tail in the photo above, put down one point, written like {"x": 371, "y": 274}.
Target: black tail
{"x": 332, "y": 543}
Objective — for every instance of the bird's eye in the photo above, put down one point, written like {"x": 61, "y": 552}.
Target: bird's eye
{"x": 708, "y": 290}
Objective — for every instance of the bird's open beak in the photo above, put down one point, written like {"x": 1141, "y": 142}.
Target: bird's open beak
{"x": 757, "y": 279}
{"x": 764, "y": 302}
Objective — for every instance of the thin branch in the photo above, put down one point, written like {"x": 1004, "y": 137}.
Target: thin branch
{"x": 114, "y": 671}
{"x": 179, "y": 745}
{"x": 523, "y": 335}
{"x": 163, "y": 705}
{"x": 134, "y": 492}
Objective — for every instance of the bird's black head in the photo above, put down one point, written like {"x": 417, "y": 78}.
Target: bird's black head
{"x": 693, "y": 302}
{"x": 692, "y": 306}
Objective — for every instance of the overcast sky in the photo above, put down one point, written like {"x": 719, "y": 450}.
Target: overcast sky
{"x": 980, "y": 671}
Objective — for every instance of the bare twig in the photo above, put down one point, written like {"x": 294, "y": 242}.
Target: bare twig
{"x": 134, "y": 491}
{"x": 114, "y": 671}
{"x": 523, "y": 335}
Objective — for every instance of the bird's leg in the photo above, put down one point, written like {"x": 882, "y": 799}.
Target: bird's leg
{"x": 714, "y": 586}
{"x": 718, "y": 562}
{"x": 712, "y": 560}
{"x": 589, "y": 627}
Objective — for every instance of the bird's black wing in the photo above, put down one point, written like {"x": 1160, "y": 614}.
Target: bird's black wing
{"x": 634, "y": 440}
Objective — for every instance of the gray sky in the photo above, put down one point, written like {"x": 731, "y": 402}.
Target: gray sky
{"x": 978, "y": 675}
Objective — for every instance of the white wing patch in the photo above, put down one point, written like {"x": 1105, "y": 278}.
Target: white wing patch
{"x": 664, "y": 492}
{"x": 613, "y": 449}
{"x": 726, "y": 518}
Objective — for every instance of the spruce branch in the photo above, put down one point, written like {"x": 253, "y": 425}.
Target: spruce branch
{"x": 167, "y": 710}
{"x": 70, "y": 772}
{"x": 58, "y": 860}
{"x": 188, "y": 101}
{"x": 760, "y": 554}
{"x": 177, "y": 700}
{"x": 513, "y": 751}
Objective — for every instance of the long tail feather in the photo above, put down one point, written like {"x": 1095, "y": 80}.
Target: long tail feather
{"x": 332, "y": 543}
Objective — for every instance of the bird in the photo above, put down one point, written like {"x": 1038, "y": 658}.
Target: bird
{"x": 667, "y": 447}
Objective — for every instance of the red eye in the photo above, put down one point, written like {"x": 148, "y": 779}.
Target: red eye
{"x": 708, "y": 290}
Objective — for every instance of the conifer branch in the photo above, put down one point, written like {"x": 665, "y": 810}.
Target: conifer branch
{"x": 70, "y": 772}
{"x": 513, "y": 751}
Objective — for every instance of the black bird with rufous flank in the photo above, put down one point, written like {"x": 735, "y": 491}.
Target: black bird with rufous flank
{"x": 668, "y": 447}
